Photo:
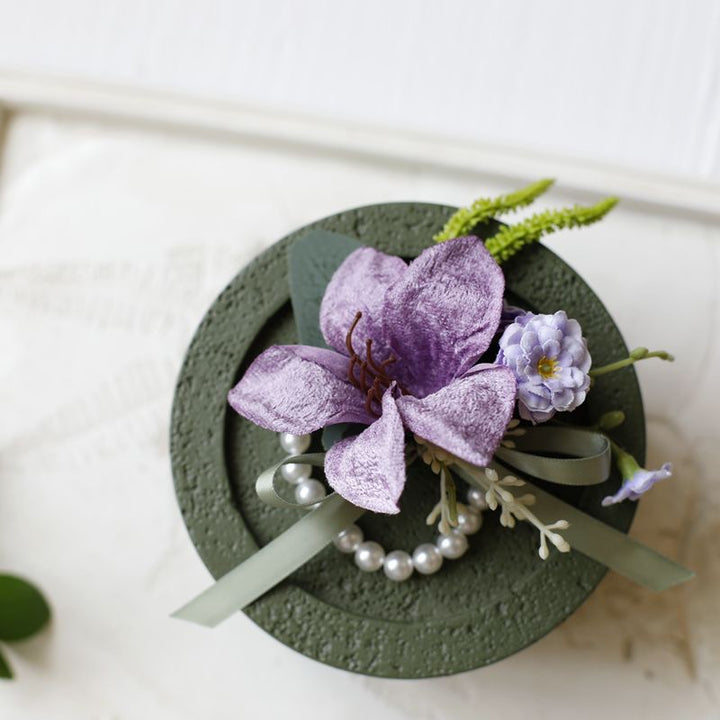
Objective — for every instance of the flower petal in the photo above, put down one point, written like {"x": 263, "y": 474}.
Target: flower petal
{"x": 369, "y": 470}
{"x": 468, "y": 417}
{"x": 358, "y": 285}
{"x": 296, "y": 389}
{"x": 441, "y": 316}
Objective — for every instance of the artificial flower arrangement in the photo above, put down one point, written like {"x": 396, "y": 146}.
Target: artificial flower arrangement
{"x": 428, "y": 362}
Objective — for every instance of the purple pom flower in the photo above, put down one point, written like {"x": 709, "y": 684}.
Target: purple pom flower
{"x": 638, "y": 483}
{"x": 550, "y": 359}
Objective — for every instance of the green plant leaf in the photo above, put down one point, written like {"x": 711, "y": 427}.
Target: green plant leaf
{"x": 23, "y": 609}
{"x": 334, "y": 433}
{"x": 5, "y": 669}
{"x": 313, "y": 260}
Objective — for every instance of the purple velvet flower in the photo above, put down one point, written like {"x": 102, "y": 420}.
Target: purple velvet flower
{"x": 406, "y": 340}
{"x": 550, "y": 360}
{"x": 638, "y": 483}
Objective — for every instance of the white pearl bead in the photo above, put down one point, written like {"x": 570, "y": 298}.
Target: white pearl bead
{"x": 476, "y": 498}
{"x": 294, "y": 444}
{"x": 469, "y": 521}
{"x": 398, "y": 565}
{"x": 369, "y": 556}
{"x": 427, "y": 559}
{"x": 452, "y": 546}
{"x": 347, "y": 540}
{"x": 295, "y": 472}
{"x": 308, "y": 492}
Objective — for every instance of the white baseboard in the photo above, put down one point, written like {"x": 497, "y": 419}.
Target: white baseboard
{"x": 691, "y": 198}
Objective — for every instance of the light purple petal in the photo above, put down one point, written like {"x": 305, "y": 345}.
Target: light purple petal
{"x": 640, "y": 482}
{"x": 369, "y": 470}
{"x": 643, "y": 480}
{"x": 535, "y": 416}
{"x": 624, "y": 493}
{"x": 287, "y": 390}
{"x": 359, "y": 284}
{"x": 441, "y": 316}
{"x": 563, "y": 399}
{"x": 467, "y": 418}
{"x": 551, "y": 348}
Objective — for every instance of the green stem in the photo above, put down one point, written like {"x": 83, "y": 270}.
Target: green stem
{"x": 626, "y": 463}
{"x": 451, "y": 491}
{"x": 447, "y": 507}
{"x": 635, "y": 356}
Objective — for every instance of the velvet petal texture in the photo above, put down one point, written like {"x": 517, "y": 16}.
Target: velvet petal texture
{"x": 289, "y": 388}
{"x": 468, "y": 417}
{"x": 436, "y": 316}
{"x": 369, "y": 470}
{"x": 441, "y": 316}
{"x": 359, "y": 284}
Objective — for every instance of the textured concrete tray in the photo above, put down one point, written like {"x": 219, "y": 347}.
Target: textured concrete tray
{"x": 498, "y": 599}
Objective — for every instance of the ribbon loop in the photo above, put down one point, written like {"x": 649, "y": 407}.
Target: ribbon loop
{"x": 265, "y": 484}
{"x": 589, "y": 466}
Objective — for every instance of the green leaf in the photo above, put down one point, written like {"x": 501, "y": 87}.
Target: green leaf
{"x": 465, "y": 220}
{"x": 334, "y": 433}
{"x": 313, "y": 259}
{"x": 23, "y": 609}
{"x": 5, "y": 669}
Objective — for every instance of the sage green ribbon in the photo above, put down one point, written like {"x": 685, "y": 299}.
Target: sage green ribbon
{"x": 279, "y": 558}
{"x": 293, "y": 548}
{"x": 598, "y": 541}
{"x": 590, "y": 464}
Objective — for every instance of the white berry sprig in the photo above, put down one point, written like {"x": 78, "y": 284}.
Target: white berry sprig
{"x": 517, "y": 508}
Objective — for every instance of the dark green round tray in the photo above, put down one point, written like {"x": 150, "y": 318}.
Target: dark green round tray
{"x": 498, "y": 598}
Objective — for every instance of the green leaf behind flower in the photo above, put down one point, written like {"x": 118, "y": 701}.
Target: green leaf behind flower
{"x": 313, "y": 260}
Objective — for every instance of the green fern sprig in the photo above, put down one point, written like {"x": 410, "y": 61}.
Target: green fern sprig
{"x": 464, "y": 220}
{"x": 512, "y": 238}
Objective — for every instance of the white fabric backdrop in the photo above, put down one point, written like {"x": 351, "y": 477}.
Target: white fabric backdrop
{"x": 113, "y": 242}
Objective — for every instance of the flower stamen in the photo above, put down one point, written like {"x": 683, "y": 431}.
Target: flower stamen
{"x": 372, "y": 378}
{"x": 547, "y": 367}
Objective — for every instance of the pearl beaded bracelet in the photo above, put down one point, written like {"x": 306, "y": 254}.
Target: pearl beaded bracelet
{"x": 370, "y": 556}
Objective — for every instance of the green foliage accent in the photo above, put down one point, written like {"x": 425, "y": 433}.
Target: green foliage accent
{"x": 5, "y": 670}
{"x": 464, "y": 220}
{"x": 512, "y": 238}
{"x": 23, "y": 609}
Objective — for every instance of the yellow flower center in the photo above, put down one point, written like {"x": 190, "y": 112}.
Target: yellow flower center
{"x": 546, "y": 367}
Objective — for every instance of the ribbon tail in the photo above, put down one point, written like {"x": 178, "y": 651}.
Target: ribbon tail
{"x": 278, "y": 559}
{"x": 599, "y": 541}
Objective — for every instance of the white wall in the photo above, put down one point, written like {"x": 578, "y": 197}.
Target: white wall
{"x": 635, "y": 84}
